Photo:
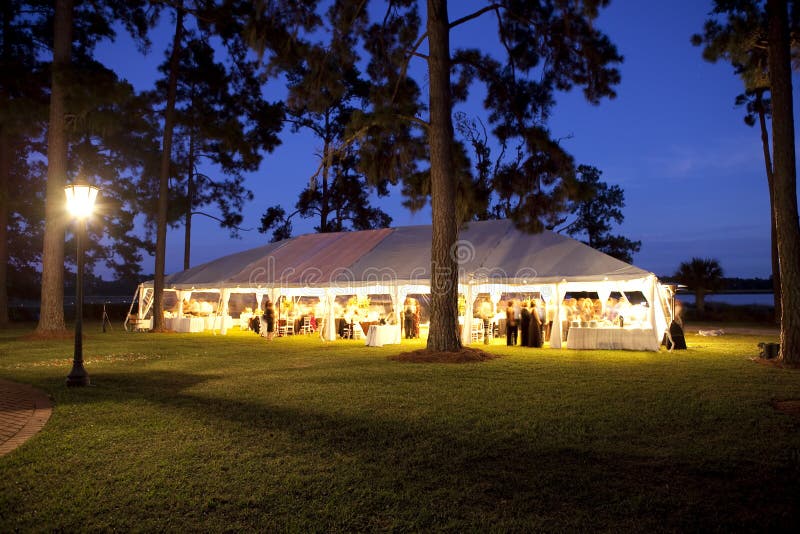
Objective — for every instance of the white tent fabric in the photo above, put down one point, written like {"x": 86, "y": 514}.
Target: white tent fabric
{"x": 493, "y": 257}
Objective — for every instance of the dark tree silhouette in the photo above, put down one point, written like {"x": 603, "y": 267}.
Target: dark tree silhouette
{"x": 599, "y": 207}
{"x": 325, "y": 89}
{"x": 23, "y": 113}
{"x": 222, "y": 122}
{"x": 164, "y": 170}
{"x": 700, "y": 275}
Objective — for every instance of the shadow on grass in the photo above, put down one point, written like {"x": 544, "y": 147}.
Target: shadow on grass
{"x": 429, "y": 471}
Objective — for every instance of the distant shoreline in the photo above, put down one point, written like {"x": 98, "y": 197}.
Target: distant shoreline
{"x": 731, "y": 292}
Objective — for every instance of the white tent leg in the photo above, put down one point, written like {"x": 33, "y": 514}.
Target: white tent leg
{"x": 223, "y": 313}
{"x": 466, "y": 329}
{"x": 330, "y": 316}
{"x": 555, "y": 334}
{"x": 180, "y": 302}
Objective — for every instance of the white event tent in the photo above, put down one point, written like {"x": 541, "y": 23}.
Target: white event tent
{"x": 494, "y": 258}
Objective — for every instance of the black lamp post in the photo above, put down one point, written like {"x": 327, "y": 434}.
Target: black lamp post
{"x": 80, "y": 203}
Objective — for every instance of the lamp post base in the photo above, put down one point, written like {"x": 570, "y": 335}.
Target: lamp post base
{"x": 78, "y": 377}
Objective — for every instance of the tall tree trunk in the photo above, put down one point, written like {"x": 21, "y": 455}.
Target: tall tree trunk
{"x": 163, "y": 189}
{"x": 785, "y": 179}
{"x": 700, "y": 300}
{"x": 190, "y": 190}
{"x": 443, "y": 334}
{"x": 773, "y": 235}
{"x": 324, "y": 209}
{"x": 51, "y": 318}
{"x": 5, "y": 177}
{"x": 5, "y": 174}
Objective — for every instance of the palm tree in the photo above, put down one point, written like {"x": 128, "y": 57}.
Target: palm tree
{"x": 702, "y": 275}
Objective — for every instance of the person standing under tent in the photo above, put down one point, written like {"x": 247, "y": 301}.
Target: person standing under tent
{"x": 524, "y": 323}
{"x": 408, "y": 322}
{"x": 511, "y": 325}
{"x": 415, "y": 325}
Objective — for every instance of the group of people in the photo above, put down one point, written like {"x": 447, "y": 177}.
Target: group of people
{"x": 270, "y": 324}
{"x": 527, "y": 323}
{"x": 264, "y": 323}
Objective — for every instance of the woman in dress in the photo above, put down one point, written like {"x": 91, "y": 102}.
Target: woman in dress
{"x": 524, "y": 323}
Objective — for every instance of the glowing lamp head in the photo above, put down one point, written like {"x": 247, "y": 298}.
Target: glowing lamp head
{"x": 80, "y": 199}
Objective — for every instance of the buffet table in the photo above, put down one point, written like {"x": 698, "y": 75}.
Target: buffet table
{"x": 380, "y": 335}
{"x": 613, "y": 338}
{"x": 197, "y": 324}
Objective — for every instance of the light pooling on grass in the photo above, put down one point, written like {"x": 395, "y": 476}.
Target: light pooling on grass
{"x": 234, "y": 433}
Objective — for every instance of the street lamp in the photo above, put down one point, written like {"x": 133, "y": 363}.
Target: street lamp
{"x": 80, "y": 203}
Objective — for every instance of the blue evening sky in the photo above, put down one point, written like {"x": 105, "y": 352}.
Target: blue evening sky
{"x": 692, "y": 171}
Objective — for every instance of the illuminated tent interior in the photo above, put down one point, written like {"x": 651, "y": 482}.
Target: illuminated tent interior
{"x": 494, "y": 259}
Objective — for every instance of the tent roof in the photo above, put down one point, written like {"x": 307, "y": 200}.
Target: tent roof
{"x": 491, "y": 251}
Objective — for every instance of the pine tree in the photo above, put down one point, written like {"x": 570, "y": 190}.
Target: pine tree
{"x": 23, "y": 112}
{"x": 222, "y": 123}
{"x": 785, "y": 179}
{"x": 91, "y": 22}
{"x": 548, "y": 48}
{"x": 599, "y": 206}
{"x": 737, "y": 33}
{"x": 325, "y": 90}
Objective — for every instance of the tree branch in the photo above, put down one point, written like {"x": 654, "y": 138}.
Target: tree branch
{"x": 416, "y": 120}
{"x": 467, "y": 18}
{"x": 404, "y": 70}
{"x": 221, "y": 221}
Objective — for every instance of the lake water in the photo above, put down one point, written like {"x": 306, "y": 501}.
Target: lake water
{"x": 735, "y": 299}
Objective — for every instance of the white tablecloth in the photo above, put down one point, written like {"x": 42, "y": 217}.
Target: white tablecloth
{"x": 380, "y": 335}
{"x": 611, "y": 338}
{"x": 140, "y": 324}
{"x": 214, "y": 322}
{"x": 186, "y": 324}
{"x": 244, "y": 320}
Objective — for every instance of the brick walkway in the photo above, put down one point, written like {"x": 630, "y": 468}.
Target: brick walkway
{"x": 24, "y": 410}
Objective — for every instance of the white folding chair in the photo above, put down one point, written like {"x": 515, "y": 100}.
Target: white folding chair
{"x": 358, "y": 332}
{"x": 476, "y": 332}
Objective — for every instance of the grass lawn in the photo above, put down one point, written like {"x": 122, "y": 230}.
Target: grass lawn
{"x": 201, "y": 432}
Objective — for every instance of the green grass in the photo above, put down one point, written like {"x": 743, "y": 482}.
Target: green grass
{"x": 200, "y": 432}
